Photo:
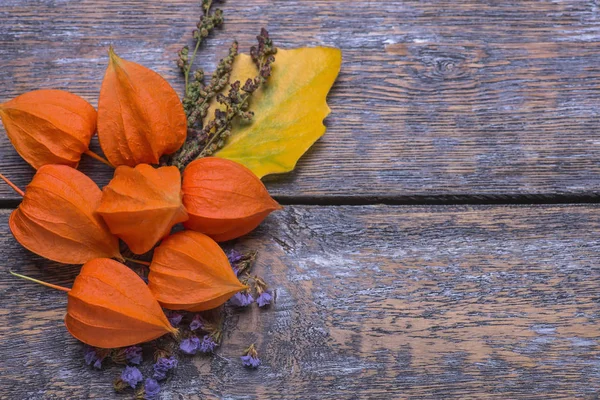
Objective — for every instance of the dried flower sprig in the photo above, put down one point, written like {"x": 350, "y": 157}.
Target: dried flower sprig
{"x": 150, "y": 390}
{"x": 237, "y": 102}
{"x": 131, "y": 376}
{"x": 250, "y": 358}
{"x": 265, "y": 296}
{"x": 242, "y": 262}
{"x": 208, "y": 22}
{"x": 213, "y": 136}
{"x": 198, "y": 96}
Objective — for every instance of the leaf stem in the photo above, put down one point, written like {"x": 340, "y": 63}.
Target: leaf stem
{"x": 133, "y": 260}
{"x": 99, "y": 158}
{"x": 12, "y": 185}
{"x": 64, "y": 289}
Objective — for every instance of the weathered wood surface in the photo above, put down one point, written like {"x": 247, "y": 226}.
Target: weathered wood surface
{"x": 373, "y": 302}
{"x": 435, "y": 98}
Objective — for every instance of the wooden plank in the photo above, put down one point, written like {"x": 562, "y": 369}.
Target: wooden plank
{"x": 434, "y": 98}
{"x": 373, "y": 302}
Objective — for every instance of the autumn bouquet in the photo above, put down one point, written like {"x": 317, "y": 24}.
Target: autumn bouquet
{"x": 196, "y": 161}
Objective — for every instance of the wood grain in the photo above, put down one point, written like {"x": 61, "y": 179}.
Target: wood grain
{"x": 445, "y": 98}
{"x": 374, "y": 302}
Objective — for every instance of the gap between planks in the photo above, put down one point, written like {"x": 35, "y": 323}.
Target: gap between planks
{"x": 447, "y": 200}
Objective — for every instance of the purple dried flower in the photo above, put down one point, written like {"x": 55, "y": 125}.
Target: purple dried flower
{"x": 207, "y": 345}
{"x": 133, "y": 354}
{"x": 250, "y": 362}
{"x": 131, "y": 376}
{"x": 190, "y": 345}
{"x": 162, "y": 366}
{"x": 197, "y": 323}
{"x": 159, "y": 374}
{"x": 234, "y": 256}
{"x": 175, "y": 319}
{"x": 264, "y": 299}
{"x": 91, "y": 357}
{"x": 250, "y": 358}
{"x": 241, "y": 299}
{"x": 151, "y": 389}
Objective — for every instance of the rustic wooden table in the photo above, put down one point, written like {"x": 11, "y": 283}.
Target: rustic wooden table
{"x": 440, "y": 241}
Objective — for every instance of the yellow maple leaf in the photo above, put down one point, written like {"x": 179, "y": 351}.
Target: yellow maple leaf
{"x": 289, "y": 110}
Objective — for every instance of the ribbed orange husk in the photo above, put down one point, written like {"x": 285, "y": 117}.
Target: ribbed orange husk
{"x": 140, "y": 205}
{"x": 224, "y": 199}
{"x": 110, "y": 306}
{"x": 189, "y": 271}
{"x": 57, "y": 218}
{"x": 49, "y": 126}
{"x": 140, "y": 116}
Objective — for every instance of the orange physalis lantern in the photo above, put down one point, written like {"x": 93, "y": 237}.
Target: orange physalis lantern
{"x": 189, "y": 271}
{"x": 140, "y": 116}
{"x": 140, "y": 205}
{"x": 224, "y": 199}
{"x": 110, "y": 306}
{"x": 57, "y": 218}
{"x": 49, "y": 126}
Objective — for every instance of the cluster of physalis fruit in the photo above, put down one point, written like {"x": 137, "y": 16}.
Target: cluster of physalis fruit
{"x": 65, "y": 217}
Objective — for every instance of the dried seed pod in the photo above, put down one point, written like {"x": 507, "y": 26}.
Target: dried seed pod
{"x": 49, "y": 126}
{"x": 110, "y": 306}
{"x": 57, "y": 218}
{"x": 140, "y": 205}
{"x": 189, "y": 271}
{"x": 140, "y": 116}
{"x": 224, "y": 199}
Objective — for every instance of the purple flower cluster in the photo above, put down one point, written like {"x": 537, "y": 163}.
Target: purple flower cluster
{"x": 131, "y": 376}
{"x": 208, "y": 345}
{"x": 162, "y": 366}
{"x": 133, "y": 355}
{"x": 242, "y": 299}
{"x": 175, "y": 319}
{"x": 250, "y": 361}
{"x": 91, "y": 357}
{"x": 234, "y": 256}
{"x": 197, "y": 323}
{"x": 264, "y": 299}
{"x": 190, "y": 345}
{"x": 250, "y": 358}
{"x": 151, "y": 389}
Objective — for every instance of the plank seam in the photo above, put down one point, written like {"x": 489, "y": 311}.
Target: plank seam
{"x": 448, "y": 200}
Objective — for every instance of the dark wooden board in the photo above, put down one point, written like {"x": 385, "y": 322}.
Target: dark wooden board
{"x": 373, "y": 302}
{"x": 452, "y": 98}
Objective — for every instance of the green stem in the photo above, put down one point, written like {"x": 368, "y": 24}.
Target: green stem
{"x": 64, "y": 289}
